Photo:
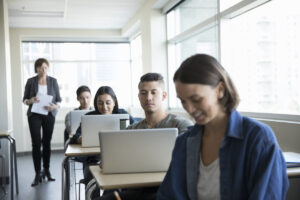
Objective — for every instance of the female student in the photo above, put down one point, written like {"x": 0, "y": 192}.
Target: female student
{"x": 39, "y": 85}
{"x": 105, "y": 102}
{"x": 225, "y": 155}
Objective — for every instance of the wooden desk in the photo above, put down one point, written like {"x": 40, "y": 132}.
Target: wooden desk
{"x": 13, "y": 161}
{"x": 134, "y": 180}
{"x": 293, "y": 172}
{"x": 131, "y": 180}
{"x": 75, "y": 150}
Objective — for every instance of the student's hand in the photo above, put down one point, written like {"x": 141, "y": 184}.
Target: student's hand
{"x": 51, "y": 107}
{"x": 79, "y": 140}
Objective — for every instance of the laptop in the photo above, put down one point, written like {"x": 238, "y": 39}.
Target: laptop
{"x": 137, "y": 150}
{"x": 75, "y": 117}
{"x": 92, "y": 124}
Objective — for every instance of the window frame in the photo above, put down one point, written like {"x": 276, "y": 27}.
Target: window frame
{"x": 229, "y": 13}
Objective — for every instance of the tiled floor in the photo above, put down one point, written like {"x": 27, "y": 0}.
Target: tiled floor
{"x": 46, "y": 190}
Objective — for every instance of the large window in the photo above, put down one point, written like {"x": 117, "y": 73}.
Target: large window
{"x": 136, "y": 67}
{"x": 258, "y": 42}
{"x": 75, "y": 64}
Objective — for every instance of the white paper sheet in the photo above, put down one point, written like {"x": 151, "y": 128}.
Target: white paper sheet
{"x": 291, "y": 157}
{"x": 45, "y": 100}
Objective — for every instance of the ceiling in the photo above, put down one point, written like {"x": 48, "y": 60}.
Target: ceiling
{"x": 72, "y": 14}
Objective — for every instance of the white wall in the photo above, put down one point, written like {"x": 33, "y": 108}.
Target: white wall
{"x": 5, "y": 85}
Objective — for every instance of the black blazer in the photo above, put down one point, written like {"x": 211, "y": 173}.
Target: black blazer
{"x": 31, "y": 90}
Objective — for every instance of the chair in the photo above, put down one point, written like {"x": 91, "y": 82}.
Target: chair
{"x": 13, "y": 161}
{"x": 2, "y": 157}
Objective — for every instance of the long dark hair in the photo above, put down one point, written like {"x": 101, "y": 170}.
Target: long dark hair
{"x": 206, "y": 70}
{"x": 106, "y": 90}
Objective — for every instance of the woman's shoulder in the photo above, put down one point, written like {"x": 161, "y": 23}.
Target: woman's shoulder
{"x": 256, "y": 132}
{"x": 32, "y": 79}
{"x": 122, "y": 111}
{"x": 192, "y": 131}
{"x": 51, "y": 78}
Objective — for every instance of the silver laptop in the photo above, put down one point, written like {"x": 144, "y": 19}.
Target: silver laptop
{"x": 137, "y": 150}
{"x": 75, "y": 117}
{"x": 92, "y": 124}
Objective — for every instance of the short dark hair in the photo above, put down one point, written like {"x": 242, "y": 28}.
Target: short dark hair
{"x": 107, "y": 90}
{"x": 149, "y": 77}
{"x": 39, "y": 62}
{"x": 206, "y": 70}
{"x": 82, "y": 89}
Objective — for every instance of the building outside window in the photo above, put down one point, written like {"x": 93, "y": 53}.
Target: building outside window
{"x": 258, "y": 42}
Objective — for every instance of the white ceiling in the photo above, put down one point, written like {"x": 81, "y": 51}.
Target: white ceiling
{"x": 82, "y": 14}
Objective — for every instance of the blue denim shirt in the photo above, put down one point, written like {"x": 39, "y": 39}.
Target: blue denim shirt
{"x": 251, "y": 163}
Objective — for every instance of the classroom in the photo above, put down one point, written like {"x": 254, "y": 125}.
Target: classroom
{"x": 114, "y": 43}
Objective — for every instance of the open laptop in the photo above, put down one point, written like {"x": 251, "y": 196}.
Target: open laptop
{"x": 75, "y": 117}
{"x": 92, "y": 124}
{"x": 137, "y": 150}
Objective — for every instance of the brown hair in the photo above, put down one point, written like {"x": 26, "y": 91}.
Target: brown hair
{"x": 206, "y": 70}
{"x": 39, "y": 62}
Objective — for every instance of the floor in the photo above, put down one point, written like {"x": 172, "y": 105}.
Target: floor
{"x": 46, "y": 190}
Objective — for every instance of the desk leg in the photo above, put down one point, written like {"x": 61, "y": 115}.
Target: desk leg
{"x": 65, "y": 191}
{"x": 15, "y": 163}
{"x": 11, "y": 170}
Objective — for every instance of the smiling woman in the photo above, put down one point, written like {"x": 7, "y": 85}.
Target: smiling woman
{"x": 211, "y": 159}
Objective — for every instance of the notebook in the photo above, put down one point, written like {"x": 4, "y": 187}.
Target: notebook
{"x": 92, "y": 124}
{"x": 75, "y": 117}
{"x": 137, "y": 150}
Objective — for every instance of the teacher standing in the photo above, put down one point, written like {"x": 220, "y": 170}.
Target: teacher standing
{"x": 42, "y": 84}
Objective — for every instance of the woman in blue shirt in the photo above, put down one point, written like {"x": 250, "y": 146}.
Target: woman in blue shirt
{"x": 225, "y": 155}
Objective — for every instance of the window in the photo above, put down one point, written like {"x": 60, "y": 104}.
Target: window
{"x": 75, "y": 64}
{"x": 261, "y": 50}
{"x": 136, "y": 67}
{"x": 258, "y": 42}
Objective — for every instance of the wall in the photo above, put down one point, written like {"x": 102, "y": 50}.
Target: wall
{"x": 147, "y": 21}
{"x": 19, "y": 109}
{"x": 5, "y": 86}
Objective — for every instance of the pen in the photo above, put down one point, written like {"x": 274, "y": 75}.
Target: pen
{"x": 117, "y": 195}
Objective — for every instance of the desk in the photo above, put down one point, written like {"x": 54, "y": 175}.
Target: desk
{"x": 75, "y": 150}
{"x": 131, "y": 180}
{"x": 293, "y": 172}
{"x": 134, "y": 180}
{"x": 13, "y": 161}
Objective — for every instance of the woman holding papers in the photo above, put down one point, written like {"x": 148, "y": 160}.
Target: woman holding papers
{"x": 225, "y": 155}
{"x": 42, "y": 96}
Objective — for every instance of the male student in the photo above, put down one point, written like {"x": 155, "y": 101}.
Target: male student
{"x": 84, "y": 98}
{"x": 151, "y": 95}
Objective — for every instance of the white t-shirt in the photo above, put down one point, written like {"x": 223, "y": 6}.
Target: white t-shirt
{"x": 42, "y": 89}
{"x": 208, "y": 187}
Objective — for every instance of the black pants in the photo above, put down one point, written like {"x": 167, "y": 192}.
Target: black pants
{"x": 36, "y": 122}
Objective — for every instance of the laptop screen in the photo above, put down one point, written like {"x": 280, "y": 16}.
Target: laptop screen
{"x": 92, "y": 124}
{"x": 137, "y": 150}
